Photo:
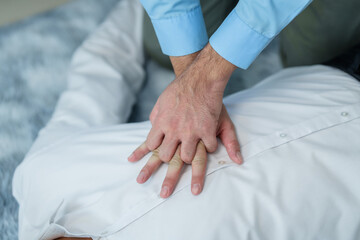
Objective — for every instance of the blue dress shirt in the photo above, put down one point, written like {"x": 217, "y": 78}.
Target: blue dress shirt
{"x": 249, "y": 28}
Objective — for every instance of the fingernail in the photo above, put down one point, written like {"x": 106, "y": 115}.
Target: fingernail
{"x": 130, "y": 158}
{"x": 238, "y": 155}
{"x": 141, "y": 178}
{"x": 196, "y": 188}
{"x": 164, "y": 191}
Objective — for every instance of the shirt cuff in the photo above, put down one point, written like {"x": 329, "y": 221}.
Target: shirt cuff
{"x": 237, "y": 42}
{"x": 183, "y": 34}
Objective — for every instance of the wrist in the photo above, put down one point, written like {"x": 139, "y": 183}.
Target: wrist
{"x": 216, "y": 70}
{"x": 181, "y": 63}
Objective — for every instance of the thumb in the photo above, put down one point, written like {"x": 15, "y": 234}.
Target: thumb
{"x": 227, "y": 135}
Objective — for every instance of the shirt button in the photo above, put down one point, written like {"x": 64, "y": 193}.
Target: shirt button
{"x": 222, "y": 162}
{"x": 344, "y": 114}
{"x": 283, "y": 135}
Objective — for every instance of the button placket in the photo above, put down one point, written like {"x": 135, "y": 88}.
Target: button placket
{"x": 344, "y": 114}
{"x": 222, "y": 162}
{"x": 283, "y": 135}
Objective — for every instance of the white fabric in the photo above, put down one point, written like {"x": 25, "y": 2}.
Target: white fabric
{"x": 300, "y": 137}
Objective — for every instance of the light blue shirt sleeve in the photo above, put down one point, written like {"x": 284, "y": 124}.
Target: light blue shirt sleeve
{"x": 251, "y": 26}
{"x": 179, "y": 25}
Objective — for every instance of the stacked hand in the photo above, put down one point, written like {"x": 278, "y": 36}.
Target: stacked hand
{"x": 187, "y": 119}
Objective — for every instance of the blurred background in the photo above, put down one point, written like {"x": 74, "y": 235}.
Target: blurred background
{"x": 15, "y": 10}
{"x": 37, "y": 40}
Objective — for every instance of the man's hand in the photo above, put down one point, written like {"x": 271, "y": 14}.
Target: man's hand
{"x": 185, "y": 113}
{"x": 191, "y": 110}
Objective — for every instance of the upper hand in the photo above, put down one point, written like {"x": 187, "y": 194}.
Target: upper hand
{"x": 185, "y": 113}
{"x": 189, "y": 109}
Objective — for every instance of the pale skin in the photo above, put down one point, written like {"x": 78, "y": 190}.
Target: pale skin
{"x": 184, "y": 131}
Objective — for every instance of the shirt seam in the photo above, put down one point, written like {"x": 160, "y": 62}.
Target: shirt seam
{"x": 186, "y": 13}
{"x": 249, "y": 26}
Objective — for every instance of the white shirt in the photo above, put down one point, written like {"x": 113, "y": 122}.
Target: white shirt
{"x": 299, "y": 132}
{"x": 300, "y": 137}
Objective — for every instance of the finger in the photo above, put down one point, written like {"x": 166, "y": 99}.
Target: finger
{"x": 198, "y": 169}
{"x": 230, "y": 141}
{"x": 172, "y": 175}
{"x": 150, "y": 167}
{"x": 210, "y": 143}
{"x": 167, "y": 148}
{"x": 188, "y": 149}
{"x": 139, "y": 153}
{"x": 154, "y": 138}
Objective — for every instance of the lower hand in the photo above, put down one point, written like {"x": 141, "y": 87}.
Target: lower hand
{"x": 174, "y": 169}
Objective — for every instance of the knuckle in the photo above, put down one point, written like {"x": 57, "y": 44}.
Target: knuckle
{"x": 211, "y": 149}
{"x": 169, "y": 182}
{"x": 211, "y": 144}
{"x": 187, "y": 162}
{"x": 206, "y": 127}
{"x": 173, "y": 122}
{"x": 151, "y": 145}
{"x": 164, "y": 156}
{"x": 186, "y": 159}
{"x": 171, "y": 136}
{"x": 198, "y": 161}
{"x": 176, "y": 162}
{"x": 155, "y": 152}
{"x": 169, "y": 125}
{"x": 229, "y": 126}
{"x": 156, "y": 127}
{"x": 197, "y": 179}
{"x": 152, "y": 117}
{"x": 146, "y": 170}
{"x": 233, "y": 143}
{"x": 207, "y": 133}
{"x": 187, "y": 135}
{"x": 176, "y": 157}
